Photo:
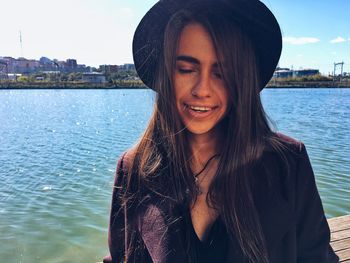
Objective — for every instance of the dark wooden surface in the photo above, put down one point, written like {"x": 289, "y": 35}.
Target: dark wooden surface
{"x": 340, "y": 237}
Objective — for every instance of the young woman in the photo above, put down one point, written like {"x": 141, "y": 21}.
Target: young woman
{"x": 209, "y": 180}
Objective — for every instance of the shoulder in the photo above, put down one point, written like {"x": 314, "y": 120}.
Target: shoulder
{"x": 285, "y": 148}
{"x": 126, "y": 159}
{"x": 289, "y": 142}
{"x": 286, "y": 169}
{"x": 124, "y": 164}
{"x": 284, "y": 155}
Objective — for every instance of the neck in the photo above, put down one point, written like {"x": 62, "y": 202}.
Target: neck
{"x": 203, "y": 147}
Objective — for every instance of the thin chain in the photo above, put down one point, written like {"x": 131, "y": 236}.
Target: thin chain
{"x": 205, "y": 166}
{"x": 201, "y": 171}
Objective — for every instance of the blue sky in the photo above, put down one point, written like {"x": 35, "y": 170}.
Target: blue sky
{"x": 316, "y": 33}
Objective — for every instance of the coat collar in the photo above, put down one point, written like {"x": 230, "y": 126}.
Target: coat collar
{"x": 164, "y": 239}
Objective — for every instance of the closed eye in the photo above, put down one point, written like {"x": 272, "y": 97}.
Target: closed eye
{"x": 218, "y": 75}
{"x": 185, "y": 70}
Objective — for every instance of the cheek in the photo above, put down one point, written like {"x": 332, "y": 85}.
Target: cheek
{"x": 177, "y": 98}
{"x": 223, "y": 92}
{"x": 179, "y": 91}
{"x": 176, "y": 87}
{"x": 226, "y": 101}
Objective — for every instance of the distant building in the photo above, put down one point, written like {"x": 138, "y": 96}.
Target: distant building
{"x": 283, "y": 73}
{"x": 51, "y": 72}
{"x": 109, "y": 68}
{"x": 127, "y": 67}
{"x": 305, "y": 72}
{"x": 13, "y": 76}
{"x": 45, "y": 60}
{"x": 71, "y": 64}
{"x": 23, "y": 65}
{"x": 3, "y": 69}
{"x": 47, "y": 64}
{"x": 81, "y": 66}
{"x": 9, "y": 61}
{"x": 3, "y": 76}
{"x": 93, "y": 77}
{"x": 286, "y": 73}
{"x": 59, "y": 65}
{"x": 29, "y": 66}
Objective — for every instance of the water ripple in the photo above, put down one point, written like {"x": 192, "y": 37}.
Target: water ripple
{"x": 59, "y": 150}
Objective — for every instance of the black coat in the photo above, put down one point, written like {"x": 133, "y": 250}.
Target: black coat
{"x": 289, "y": 207}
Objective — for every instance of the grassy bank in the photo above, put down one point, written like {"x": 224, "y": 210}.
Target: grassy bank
{"x": 308, "y": 84}
{"x": 314, "y": 81}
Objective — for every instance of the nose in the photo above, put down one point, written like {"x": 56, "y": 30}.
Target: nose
{"x": 202, "y": 87}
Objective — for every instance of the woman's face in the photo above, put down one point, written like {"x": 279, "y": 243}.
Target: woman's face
{"x": 200, "y": 92}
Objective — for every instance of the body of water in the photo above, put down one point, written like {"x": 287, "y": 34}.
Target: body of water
{"x": 58, "y": 151}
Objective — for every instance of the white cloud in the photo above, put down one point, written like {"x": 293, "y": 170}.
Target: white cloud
{"x": 300, "y": 40}
{"x": 338, "y": 40}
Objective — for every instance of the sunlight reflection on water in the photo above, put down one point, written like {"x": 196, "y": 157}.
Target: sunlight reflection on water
{"x": 59, "y": 150}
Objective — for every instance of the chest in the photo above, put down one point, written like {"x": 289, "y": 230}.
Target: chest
{"x": 203, "y": 215}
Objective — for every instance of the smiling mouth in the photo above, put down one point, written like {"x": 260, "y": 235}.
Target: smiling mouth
{"x": 199, "y": 109}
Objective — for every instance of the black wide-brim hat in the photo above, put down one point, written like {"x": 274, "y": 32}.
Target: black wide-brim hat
{"x": 252, "y": 15}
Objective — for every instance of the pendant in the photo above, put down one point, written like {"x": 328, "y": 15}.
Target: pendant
{"x": 198, "y": 188}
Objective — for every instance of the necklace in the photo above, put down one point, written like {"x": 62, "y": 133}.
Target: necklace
{"x": 201, "y": 171}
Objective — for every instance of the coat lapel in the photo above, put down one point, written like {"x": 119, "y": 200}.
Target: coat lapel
{"x": 272, "y": 187}
{"x": 160, "y": 233}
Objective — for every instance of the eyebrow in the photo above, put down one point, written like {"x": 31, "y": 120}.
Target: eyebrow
{"x": 193, "y": 60}
{"x": 188, "y": 59}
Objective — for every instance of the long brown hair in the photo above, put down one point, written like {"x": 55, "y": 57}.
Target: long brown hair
{"x": 161, "y": 160}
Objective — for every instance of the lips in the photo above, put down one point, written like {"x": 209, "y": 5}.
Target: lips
{"x": 199, "y": 111}
{"x": 200, "y": 108}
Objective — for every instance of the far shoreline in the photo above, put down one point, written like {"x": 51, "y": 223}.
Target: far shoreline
{"x": 308, "y": 84}
{"x": 65, "y": 85}
{"x": 83, "y": 85}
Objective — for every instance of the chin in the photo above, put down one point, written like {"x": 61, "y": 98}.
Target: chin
{"x": 201, "y": 130}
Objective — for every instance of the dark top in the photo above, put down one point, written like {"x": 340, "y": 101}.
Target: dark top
{"x": 214, "y": 248}
{"x": 288, "y": 204}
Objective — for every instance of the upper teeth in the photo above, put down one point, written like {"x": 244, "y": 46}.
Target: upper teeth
{"x": 199, "y": 108}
